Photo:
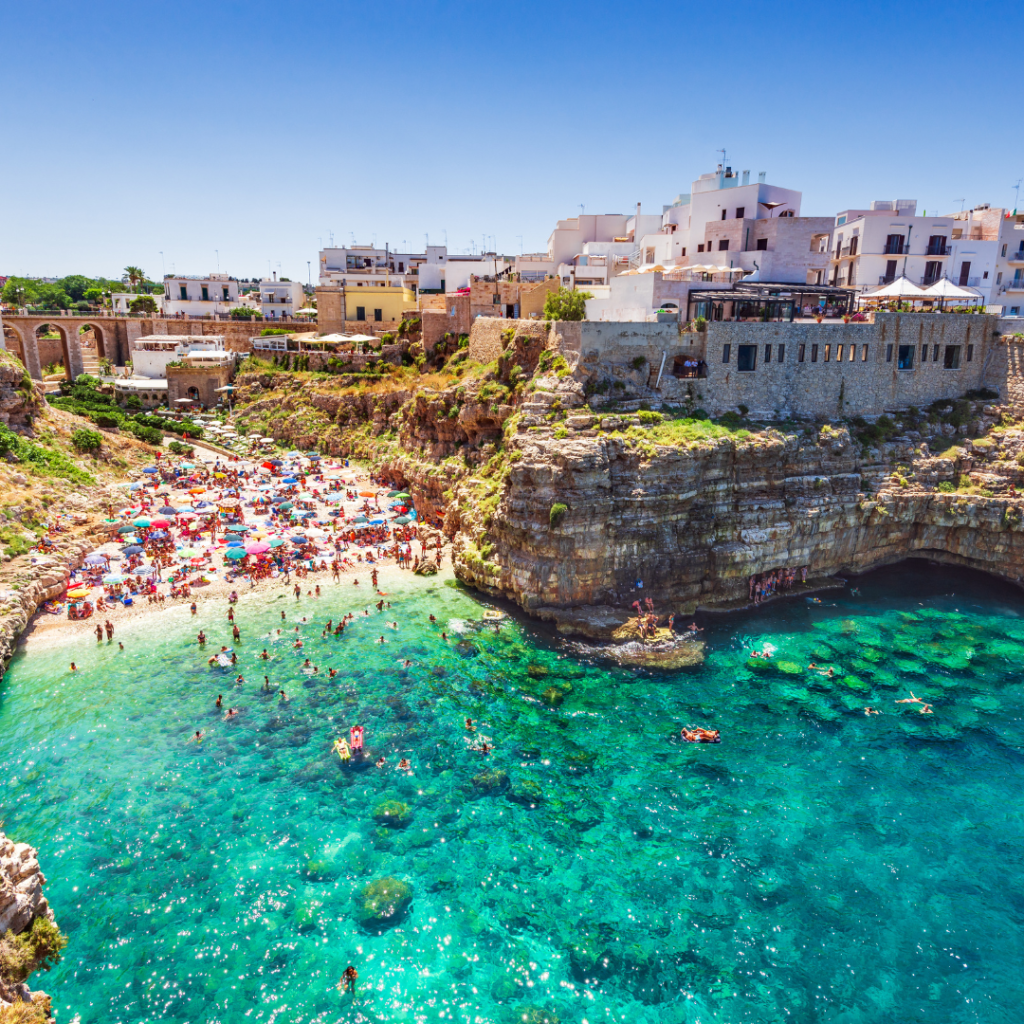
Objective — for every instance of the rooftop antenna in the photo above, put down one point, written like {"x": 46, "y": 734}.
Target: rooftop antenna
{"x": 961, "y": 202}
{"x": 217, "y": 251}
{"x": 445, "y": 238}
{"x": 426, "y": 235}
{"x": 581, "y": 209}
{"x": 332, "y": 239}
{"x": 1016, "y": 194}
{"x": 724, "y": 161}
{"x": 520, "y": 238}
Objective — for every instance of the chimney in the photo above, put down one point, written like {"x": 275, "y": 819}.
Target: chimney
{"x": 746, "y": 177}
{"x": 275, "y": 275}
{"x": 636, "y": 226}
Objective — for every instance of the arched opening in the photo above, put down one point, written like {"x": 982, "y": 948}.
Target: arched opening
{"x": 193, "y": 393}
{"x": 93, "y": 346}
{"x": 52, "y": 346}
{"x": 13, "y": 343}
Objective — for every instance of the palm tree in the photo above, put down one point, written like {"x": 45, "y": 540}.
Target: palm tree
{"x": 134, "y": 276}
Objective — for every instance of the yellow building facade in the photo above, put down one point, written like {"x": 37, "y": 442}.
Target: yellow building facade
{"x": 375, "y": 304}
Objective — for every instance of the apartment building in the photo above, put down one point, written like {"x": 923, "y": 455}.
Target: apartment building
{"x": 280, "y": 298}
{"x": 1005, "y": 228}
{"x": 874, "y": 247}
{"x": 366, "y": 266}
{"x": 199, "y": 296}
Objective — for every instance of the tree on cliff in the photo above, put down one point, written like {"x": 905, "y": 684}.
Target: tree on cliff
{"x": 566, "y": 304}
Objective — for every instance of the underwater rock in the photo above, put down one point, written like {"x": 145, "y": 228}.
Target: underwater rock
{"x": 526, "y": 792}
{"x": 392, "y": 813}
{"x": 536, "y": 671}
{"x": 552, "y": 696}
{"x": 493, "y": 780}
{"x": 667, "y": 654}
{"x": 383, "y": 903}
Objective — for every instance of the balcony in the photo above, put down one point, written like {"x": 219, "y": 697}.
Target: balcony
{"x": 930, "y": 279}
{"x": 896, "y": 248}
{"x": 1016, "y": 285}
{"x": 887, "y": 279}
{"x": 938, "y": 250}
{"x": 1017, "y": 257}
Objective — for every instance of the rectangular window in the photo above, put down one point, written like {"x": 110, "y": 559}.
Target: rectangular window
{"x": 800, "y": 353}
{"x": 853, "y": 352}
{"x": 767, "y": 353}
{"x": 401, "y": 267}
{"x": 206, "y": 293}
{"x": 723, "y": 214}
{"x": 746, "y": 357}
{"x": 683, "y": 252}
{"x": 935, "y": 354}
{"x": 828, "y": 353}
{"x": 814, "y": 353}
{"x": 1004, "y": 250}
{"x": 863, "y": 353}
{"x": 781, "y": 357}
{"x": 378, "y": 315}
{"x": 952, "y": 361}
{"x": 184, "y": 293}
{"x": 700, "y": 247}
{"x": 924, "y": 353}
{"x": 761, "y": 245}
{"x": 740, "y": 211}
{"x": 970, "y": 352}
{"x": 999, "y": 277}
{"x": 723, "y": 244}
{"x": 360, "y": 312}
{"x": 853, "y": 246}
{"x": 839, "y": 354}
{"x": 888, "y": 353}
{"x": 905, "y": 357}
{"x": 726, "y": 353}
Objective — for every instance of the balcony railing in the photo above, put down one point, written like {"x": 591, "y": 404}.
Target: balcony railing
{"x": 929, "y": 279}
{"x": 1016, "y": 285}
{"x": 895, "y": 248}
{"x": 887, "y": 279}
{"x": 938, "y": 250}
{"x": 1016, "y": 257}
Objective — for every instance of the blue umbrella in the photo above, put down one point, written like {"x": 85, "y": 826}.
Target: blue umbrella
{"x": 295, "y": 455}
{"x": 290, "y": 480}
{"x": 298, "y": 540}
{"x": 132, "y": 549}
{"x": 134, "y": 487}
{"x": 235, "y": 554}
{"x": 234, "y": 543}
{"x": 149, "y": 469}
{"x": 168, "y": 511}
{"x": 376, "y": 522}
{"x": 158, "y": 535}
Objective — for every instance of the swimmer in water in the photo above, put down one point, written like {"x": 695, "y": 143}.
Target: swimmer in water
{"x": 198, "y": 738}
{"x": 404, "y": 765}
{"x": 871, "y": 711}
{"x": 120, "y": 646}
{"x": 380, "y": 761}
{"x": 444, "y": 636}
{"x": 201, "y": 637}
{"x": 485, "y": 748}
{"x": 349, "y": 979}
{"x": 220, "y": 697}
{"x": 264, "y": 655}
{"x": 406, "y": 663}
{"x": 432, "y": 619}
{"x": 231, "y": 713}
{"x": 382, "y": 641}
{"x": 74, "y": 667}
{"x": 284, "y": 696}
{"x": 470, "y": 727}
{"x": 266, "y": 682}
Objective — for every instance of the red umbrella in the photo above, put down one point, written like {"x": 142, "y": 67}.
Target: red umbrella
{"x": 160, "y": 524}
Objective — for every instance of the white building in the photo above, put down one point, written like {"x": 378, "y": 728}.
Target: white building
{"x": 1006, "y": 230}
{"x": 121, "y": 301}
{"x": 151, "y": 353}
{"x": 874, "y": 247}
{"x": 280, "y": 298}
{"x": 200, "y": 296}
{"x": 367, "y": 266}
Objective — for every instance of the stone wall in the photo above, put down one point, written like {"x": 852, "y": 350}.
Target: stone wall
{"x": 205, "y": 379}
{"x": 485, "y": 338}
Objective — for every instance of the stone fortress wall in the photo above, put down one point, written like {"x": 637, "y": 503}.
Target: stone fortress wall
{"x": 798, "y": 369}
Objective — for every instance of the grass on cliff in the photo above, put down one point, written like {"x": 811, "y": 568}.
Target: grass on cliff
{"x": 683, "y": 431}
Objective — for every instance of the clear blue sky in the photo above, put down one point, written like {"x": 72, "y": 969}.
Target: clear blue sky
{"x": 257, "y": 128}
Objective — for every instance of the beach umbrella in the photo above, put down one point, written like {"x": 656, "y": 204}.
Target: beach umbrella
{"x": 150, "y": 469}
{"x": 285, "y": 506}
{"x": 376, "y": 522}
{"x": 236, "y": 554}
{"x": 294, "y": 455}
{"x": 188, "y": 553}
{"x": 160, "y": 524}
{"x": 393, "y": 494}
{"x": 290, "y": 480}
{"x": 313, "y": 457}
{"x": 402, "y": 494}
{"x": 276, "y": 542}
{"x": 158, "y": 535}
{"x": 298, "y": 539}
{"x": 402, "y": 520}
{"x": 134, "y": 487}
{"x": 95, "y": 559}
{"x": 186, "y": 513}
{"x": 196, "y": 490}
{"x": 113, "y": 578}
{"x": 168, "y": 511}
{"x": 78, "y": 593}
{"x": 238, "y": 528}
{"x": 126, "y": 529}
{"x": 133, "y": 549}
{"x": 367, "y": 494}
{"x": 275, "y": 462}
{"x": 258, "y": 548}
{"x": 359, "y": 519}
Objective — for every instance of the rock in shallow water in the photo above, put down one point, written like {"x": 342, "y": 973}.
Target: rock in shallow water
{"x": 383, "y": 903}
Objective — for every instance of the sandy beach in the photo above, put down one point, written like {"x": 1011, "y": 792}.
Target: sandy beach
{"x": 48, "y": 631}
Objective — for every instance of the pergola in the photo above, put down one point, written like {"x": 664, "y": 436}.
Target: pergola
{"x": 751, "y": 300}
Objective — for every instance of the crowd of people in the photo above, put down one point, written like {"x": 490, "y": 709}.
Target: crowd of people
{"x": 764, "y": 585}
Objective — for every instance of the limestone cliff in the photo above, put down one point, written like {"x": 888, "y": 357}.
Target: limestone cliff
{"x": 29, "y": 939}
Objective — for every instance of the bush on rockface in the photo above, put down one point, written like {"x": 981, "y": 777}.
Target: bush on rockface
{"x": 37, "y": 948}
{"x": 557, "y": 513}
{"x": 86, "y": 440}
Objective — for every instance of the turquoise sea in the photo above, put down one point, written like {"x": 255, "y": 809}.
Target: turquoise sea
{"x": 818, "y": 865}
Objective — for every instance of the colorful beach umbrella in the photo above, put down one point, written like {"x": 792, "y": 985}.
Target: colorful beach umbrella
{"x": 133, "y": 549}
{"x": 78, "y": 593}
{"x": 236, "y": 554}
{"x": 113, "y": 578}
{"x": 141, "y": 522}
{"x": 258, "y": 548}
{"x": 276, "y": 542}
{"x": 126, "y": 529}
{"x": 160, "y": 524}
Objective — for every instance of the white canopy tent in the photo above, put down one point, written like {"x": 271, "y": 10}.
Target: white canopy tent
{"x": 945, "y": 289}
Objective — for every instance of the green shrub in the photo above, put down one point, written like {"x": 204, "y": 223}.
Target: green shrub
{"x": 639, "y": 363}
{"x": 86, "y": 440}
{"x": 730, "y": 419}
{"x": 647, "y": 416}
{"x": 560, "y": 433}
{"x": 37, "y": 948}
{"x": 133, "y": 402}
{"x": 36, "y": 1012}
{"x": 946, "y": 487}
{"x": 177, "y": 448}
{"x": 268, "y": 332}
{"x": 557, "y": 513}
{"x": 106, "y": 419}
{"x": 148, "y": 434}
{"x": 743, "y": 409}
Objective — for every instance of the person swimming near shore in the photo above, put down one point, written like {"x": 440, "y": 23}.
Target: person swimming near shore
{"x": 470, "y": 727}
{"x": 381, "y": 761}
{"x": 201, "y": 637}
{"x": 99, "y": 633}
{"x": 701, "y": 735}
{"x": 232, "y": 712}
{"x": 871, "y": 711}
{"x": 404, "y": 765}
{"x": 220, "y": 698}
{"x": 198, "y": 738}
{"x": 349, "y": 979}
{"x": 264, "y": 655}
{"x": 74, "y": 667}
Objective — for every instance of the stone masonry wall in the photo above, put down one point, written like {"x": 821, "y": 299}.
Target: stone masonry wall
{"x": 485, "y": 341}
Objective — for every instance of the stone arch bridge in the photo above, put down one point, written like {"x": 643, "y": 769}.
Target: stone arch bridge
{"x": 21, "y": 335}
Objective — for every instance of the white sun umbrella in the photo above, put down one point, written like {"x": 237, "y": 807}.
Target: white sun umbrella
{"x": 901, "y": 288}
{"x": 945, "y": 289}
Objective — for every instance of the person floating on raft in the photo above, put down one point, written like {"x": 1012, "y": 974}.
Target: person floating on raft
{"x": 342, "y": 749}
{"x": 356, "y": 738}
{"x": 702, "y": 735}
